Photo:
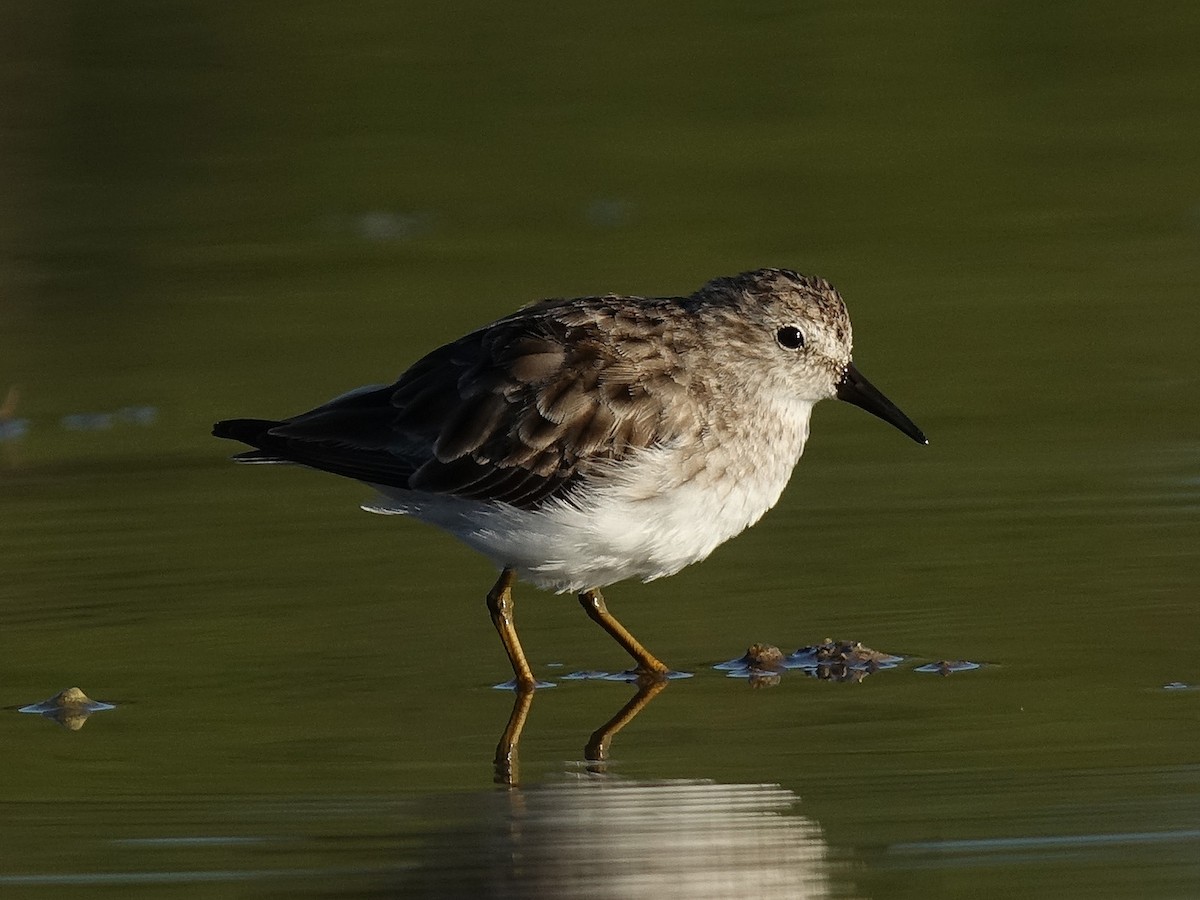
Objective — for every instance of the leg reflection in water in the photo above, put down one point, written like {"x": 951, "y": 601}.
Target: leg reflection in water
{"x": 596, "y": 750}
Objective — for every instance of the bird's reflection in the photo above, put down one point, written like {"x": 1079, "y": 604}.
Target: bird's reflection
{"x": 595, "y": 752}
{"x": 592, "y": 834}
{"x": 601, "y": 836}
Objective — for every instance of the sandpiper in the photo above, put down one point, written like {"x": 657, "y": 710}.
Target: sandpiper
{"x": 580, "y": 442}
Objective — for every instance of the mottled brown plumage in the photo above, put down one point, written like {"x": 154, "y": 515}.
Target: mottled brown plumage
{"x": 579, "y": 442}
{"x": 517, "y": 411}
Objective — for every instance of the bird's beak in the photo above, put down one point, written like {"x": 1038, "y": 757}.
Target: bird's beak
{"x": 853, "y": 388}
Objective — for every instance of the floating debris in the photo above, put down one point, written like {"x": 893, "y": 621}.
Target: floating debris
{"x": 69, "y": 708}
{"x": 762, "y": 663}
{"x": 764, "y": 657}
{"x": 849, "y": 654}
{"x": 830, "y": 661}
{"x": 947, "y": 666}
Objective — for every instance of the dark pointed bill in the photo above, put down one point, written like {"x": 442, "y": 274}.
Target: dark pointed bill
{"x": 853, "y": 388}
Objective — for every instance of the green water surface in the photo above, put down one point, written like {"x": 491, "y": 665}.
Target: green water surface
{"x": 211, "y": 211}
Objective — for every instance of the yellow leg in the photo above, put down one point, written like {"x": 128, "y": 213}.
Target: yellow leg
{"x": 500, "y": 605}
{"x": 647, "y": 665}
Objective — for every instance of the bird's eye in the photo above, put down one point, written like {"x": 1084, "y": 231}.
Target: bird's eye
{"x": 790, "y": 337}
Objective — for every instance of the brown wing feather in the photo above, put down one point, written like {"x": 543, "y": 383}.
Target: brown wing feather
{"x": 515, "y": 412}
{"x": 547, "y": 395}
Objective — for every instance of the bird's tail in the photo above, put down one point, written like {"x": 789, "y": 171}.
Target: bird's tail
{"x": 254, "y": 432}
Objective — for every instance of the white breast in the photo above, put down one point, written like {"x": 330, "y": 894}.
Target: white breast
{"x": 647, "y": 517}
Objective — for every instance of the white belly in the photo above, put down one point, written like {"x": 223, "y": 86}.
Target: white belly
{"x": 646, "y": 518}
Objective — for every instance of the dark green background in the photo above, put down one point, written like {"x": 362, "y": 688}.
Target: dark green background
{"x": 224, "y": 210}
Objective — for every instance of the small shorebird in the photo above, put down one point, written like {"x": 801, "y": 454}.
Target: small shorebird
{"x": 580, "y": 442}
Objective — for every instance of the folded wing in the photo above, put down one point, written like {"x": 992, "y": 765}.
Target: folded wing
{"x": 516, "y": 412}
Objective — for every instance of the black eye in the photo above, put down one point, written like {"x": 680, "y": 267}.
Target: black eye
{"x": 790, "y": 337}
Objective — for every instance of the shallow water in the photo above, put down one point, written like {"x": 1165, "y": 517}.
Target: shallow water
{"x": 216, "y": 213}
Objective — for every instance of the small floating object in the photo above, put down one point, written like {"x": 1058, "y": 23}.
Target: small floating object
{"x": 841, "y": 654}
{"x": 764, "y": 658}
{"x": 69, "y": 708}
{"x": 762, "y": 663}
{"x": 829, "y": 660}
{"x": 1178, "y": 686}
{"x": 947, "y": 666}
